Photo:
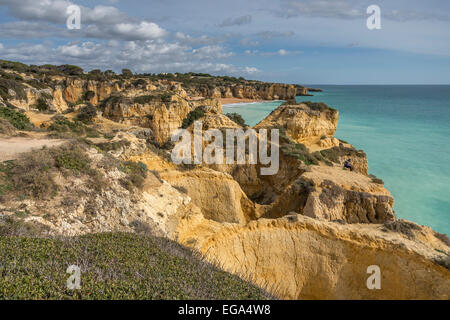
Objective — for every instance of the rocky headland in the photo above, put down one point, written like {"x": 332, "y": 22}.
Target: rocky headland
{"x": 308, "y": 232}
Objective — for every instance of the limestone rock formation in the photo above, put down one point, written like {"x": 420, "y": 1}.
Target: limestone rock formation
{"x": 302, "y": 123}
{"x": 304, "y": 258}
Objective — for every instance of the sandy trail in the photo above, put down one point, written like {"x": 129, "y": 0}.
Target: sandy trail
{"x": 11, "y": 148}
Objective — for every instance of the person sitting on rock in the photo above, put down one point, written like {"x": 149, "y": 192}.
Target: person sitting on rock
{"x": 348, "y": 165}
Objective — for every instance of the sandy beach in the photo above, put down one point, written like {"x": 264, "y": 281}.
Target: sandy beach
{"x": 238, "y": 100}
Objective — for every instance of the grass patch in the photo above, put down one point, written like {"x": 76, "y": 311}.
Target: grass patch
{"x": 61, "y": 127}
{"x": 113, "y": 266}
{"x": 18, "y": 119}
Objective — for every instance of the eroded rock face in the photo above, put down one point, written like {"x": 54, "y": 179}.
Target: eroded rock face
{"x": 260, "y": 91}
{"x": 301, "y": 123}
{"x": 219, "y": 197}
{"x": 304, "y": 258}
{"x": 162, "y": 117}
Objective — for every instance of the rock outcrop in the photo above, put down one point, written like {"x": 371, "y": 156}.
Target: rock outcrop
{"x": 305, "y": 258}
{"x": 302, "y": 123}
{"x": 259, "y": 91}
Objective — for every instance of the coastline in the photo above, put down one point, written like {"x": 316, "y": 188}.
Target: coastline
{"x": 239, "y": 100}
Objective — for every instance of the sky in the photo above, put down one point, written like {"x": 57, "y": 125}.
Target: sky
{"x": 294, "y": 41}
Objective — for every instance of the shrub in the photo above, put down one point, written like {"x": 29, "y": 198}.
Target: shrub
{"x": 375, "y": 179}
{"x": 113, "y": 146}
{"x": 61, "y": 124}
{"x": 88, "y": 95}
{"x": 143, "y": 99}
{"x": 136, "y": 174}
{"x": 17, "y": 87}
{"x": 70, "y": 70}
{"x": 16, "y": 66}
{"x": 336, "y": 153}
{"x": 13, "y": 227}
{"x": 166, "y": 97}
{"x": 237, "y": 118}
{"x": 127, "y": 73}
{"x": 299, "y": 151}
{"x": 42, "y": 105}
{"x": 192, "y": 116}
{"x": 87, "y": 114}
{"x": 73, "y": 158}
{"x": 31, "y": 175}
{"x": 17, "y": 119}
{"x": 319, "y": 106}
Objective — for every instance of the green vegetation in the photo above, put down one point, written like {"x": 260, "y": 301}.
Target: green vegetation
{"x": 300, "y": 152}
{"x": 113, "y": 266}
{"x": 32, "y": 174}
{"x": 127, "y": 73}
{"x": 113, "y": 146}
{"x": 61, "y": 127}
{"x": 164, "y": 97}
{"x": 17, "y": 119}
{"x": 88, "y": 95}
{"x": 136, "y": 174}
{"x": 7, "y": 84}
{"x": 376, "y": 179}
{"x": 70, "y": 70}
{"x": 336, "y": 153}
{"x": 87, "y": 114}
{"x": 318, "y": 106}
{"x": 192, "y": 116}
{"x": 73, "y": 159}
{"x": 144, "y": 99}
{"x": 237, "y": 118}
{"x": 16, "y": 66}
{"x": 42, "y": 105}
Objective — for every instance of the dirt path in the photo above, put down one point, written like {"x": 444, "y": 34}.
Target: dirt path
{"x": 11, "y": 148}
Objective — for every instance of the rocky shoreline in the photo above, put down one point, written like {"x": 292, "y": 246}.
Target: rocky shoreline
{"x": 309, "y": 232}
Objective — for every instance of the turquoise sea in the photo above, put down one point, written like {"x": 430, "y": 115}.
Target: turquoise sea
{"x": 405, "y": 131}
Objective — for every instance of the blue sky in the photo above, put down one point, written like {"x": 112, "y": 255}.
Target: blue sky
{"x": 298, "y": 41}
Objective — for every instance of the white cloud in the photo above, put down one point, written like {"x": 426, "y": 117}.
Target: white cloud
{"x": 102, "y": 22}
{"x": 251, "y": 70}
{"x": 140, "y": 56}
{"x": 142, "y": 31}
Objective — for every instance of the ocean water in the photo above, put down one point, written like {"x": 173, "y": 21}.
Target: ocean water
{"x": 405, "y": 131}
